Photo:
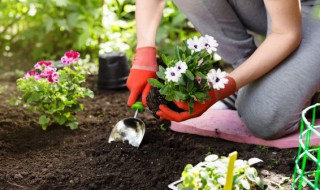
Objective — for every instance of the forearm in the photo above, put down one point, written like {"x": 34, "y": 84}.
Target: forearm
{"x": 272, "y": 52}
{"x": 148, "y": 16}
{"x": 285, "y": 37}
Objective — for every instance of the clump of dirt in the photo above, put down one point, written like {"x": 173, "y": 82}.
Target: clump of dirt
{"x": 154, "y": 99}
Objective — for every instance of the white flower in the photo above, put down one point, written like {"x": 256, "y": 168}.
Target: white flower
{"x": 181, "y": 66}
{"x": 221, "y": 180}
{"x": 172, "y": 74}
{"x": 195, "y": 44}
{"x": 211, "y": 158}
{"x": 240, "y": 164}
{"x": 209, "y": 43}
{"x": 217, "y": 78}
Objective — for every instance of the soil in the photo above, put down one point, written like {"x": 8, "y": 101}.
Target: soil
{"x": 60, "y": 158}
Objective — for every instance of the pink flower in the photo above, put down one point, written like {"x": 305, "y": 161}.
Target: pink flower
{"x": 70, "y": 57}
{"x": 198, "y": 79}
{"x": 41, "y": 64}
{"x": 53, "y": 78}
{"x": 47, "y": 72}
{"x": 50, "y": 74}
{"x": 31, "y": 73}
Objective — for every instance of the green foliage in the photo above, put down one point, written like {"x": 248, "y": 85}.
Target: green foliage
{"x": 56, "y": 102}
{"x": 40, "y": 25}
{"x": 36, "y": 27}
{"x": 211, "y": 174}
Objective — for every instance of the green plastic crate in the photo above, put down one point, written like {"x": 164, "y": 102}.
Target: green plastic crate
{"x": 307, "y": 175}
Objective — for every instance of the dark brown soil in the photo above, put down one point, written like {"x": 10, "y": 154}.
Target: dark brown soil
{"x": 60, "y": 158}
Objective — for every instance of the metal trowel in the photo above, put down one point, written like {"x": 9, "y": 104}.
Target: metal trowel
{"x": 130, "y": 129}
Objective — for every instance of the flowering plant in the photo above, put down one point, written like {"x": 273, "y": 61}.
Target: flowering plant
{"x": 54, "y": 93}
{"x": 189, "y": 74}
{"x": 211, "y": 174}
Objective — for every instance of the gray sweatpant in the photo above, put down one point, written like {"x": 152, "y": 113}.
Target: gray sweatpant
{"x": 270, "y": 106}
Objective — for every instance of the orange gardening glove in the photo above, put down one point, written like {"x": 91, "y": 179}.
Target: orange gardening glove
{"x": 215, "y": 95}
{"x": 144, "y": 66}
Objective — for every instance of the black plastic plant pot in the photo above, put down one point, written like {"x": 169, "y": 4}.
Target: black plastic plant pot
{"x": 113, "y": 71}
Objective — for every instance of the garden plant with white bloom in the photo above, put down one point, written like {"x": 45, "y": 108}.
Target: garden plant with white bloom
{"x": 188, "y": 76}
{"x": 211, "y": 174}
{"x": 54, "y": 94}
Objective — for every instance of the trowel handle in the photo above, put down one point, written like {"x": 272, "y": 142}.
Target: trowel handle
{"x": 138, "y": 105}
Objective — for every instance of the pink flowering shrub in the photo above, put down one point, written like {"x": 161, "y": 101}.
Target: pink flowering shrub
{"x": 53, "y": 93}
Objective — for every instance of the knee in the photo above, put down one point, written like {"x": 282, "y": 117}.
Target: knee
{"x": 269, "y": 126}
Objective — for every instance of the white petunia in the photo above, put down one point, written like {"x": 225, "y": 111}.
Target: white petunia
{"x": 209, "y": 43}
{"x": 217, "y": 79}
{"x": 172, "y": 74}
{"x": 181, "y": 66}
{"x": 195, "y": 44}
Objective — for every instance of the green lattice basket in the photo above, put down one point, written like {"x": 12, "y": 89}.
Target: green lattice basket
{"x": 307, "y": 164}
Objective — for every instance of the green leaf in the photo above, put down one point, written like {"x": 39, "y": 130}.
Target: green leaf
{"x": 199, "y": 74}
{"x": 165, "y": 90}
{"x": 190, "y": 85}
{"x": 259, "y": 182}
{"x": 155, "y": 83}
{"x": 44, "y": 121}
{"x": 67, "y": 114}
{"x": 178, "y": 19}
{"x": 33, "y": 98}
{"x": 164, "y": 58}
{"x": 200, "y": 95}
{"x": 89, "y": 93}
{"x": 178, "y": 53}
{"x": 73, "y": 125}
{"x": 189, "y": 74}
{"x": 60, "y": 119}
{"x": 191, "y": 106}
{"x": 81, "y": 106}
{"x": 251, "y": 174}
{"x": 179, "y": 95}
{"x": 161, "y": 75}
{"x": 181, "y": 81}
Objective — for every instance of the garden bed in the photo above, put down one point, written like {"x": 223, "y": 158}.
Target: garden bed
{"x": 60, "y": 158}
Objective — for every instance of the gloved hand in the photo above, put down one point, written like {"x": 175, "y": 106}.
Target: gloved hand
{"x": 144, "y": 66}
{"x": 215, "y": 95}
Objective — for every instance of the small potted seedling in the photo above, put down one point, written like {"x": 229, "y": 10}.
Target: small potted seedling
{"x": 188, "y": 76}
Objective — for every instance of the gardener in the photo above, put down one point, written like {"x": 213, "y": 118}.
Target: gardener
{"x": 276, "y": 80}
